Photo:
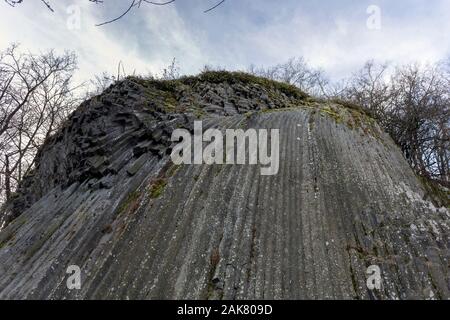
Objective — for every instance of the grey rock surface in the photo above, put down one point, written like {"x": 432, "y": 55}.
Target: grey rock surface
{"x": 105, "y": 196}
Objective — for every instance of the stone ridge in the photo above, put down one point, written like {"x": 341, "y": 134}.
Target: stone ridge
{"x": 139, "y": 113}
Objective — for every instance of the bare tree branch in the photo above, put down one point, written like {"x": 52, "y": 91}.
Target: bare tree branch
{"x": 133, "y": 4}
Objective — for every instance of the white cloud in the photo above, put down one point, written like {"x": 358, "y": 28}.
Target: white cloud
{"x": 98, "y": 48}
{"x": 239, "y": 34}
{"x": 340, "y": 44}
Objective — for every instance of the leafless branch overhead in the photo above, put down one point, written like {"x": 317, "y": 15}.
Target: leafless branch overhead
{"x": 133, "y": 4}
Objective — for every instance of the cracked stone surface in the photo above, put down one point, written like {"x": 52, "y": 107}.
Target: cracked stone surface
{"x": 105, "y": 196}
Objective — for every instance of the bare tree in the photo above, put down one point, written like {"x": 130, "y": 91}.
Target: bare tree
{"x": 35, "y": 97}
{"x": 102, "y": 81}
{"x": 296, "y": 72}
{"x": 369, "y": 88}
{"x": 412, "y": 105}
{"x": 99, "y": 84}
{"x": 171, "y": 72}
{"x": 419, "y": 118}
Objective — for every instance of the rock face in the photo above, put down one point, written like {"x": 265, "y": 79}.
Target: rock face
{"x": 106, "y": 197}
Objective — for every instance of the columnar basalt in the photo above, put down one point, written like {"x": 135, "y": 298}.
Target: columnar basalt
{"x": 105, "y": 196}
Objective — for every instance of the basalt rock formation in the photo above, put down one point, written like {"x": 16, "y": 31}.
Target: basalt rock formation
{"x": 105, "y": 196}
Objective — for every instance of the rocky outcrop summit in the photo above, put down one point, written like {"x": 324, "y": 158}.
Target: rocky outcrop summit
{"x": 105, "y": 196}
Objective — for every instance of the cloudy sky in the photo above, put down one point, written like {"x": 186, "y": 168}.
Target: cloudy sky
{"x": 336, "y": 35}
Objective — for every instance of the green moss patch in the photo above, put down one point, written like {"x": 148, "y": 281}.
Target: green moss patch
{"x": 131, "y": 202}
{"x": 331, "y": 112}
{"x": 157, "y": 188}
{"x": 439, "y": 195}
